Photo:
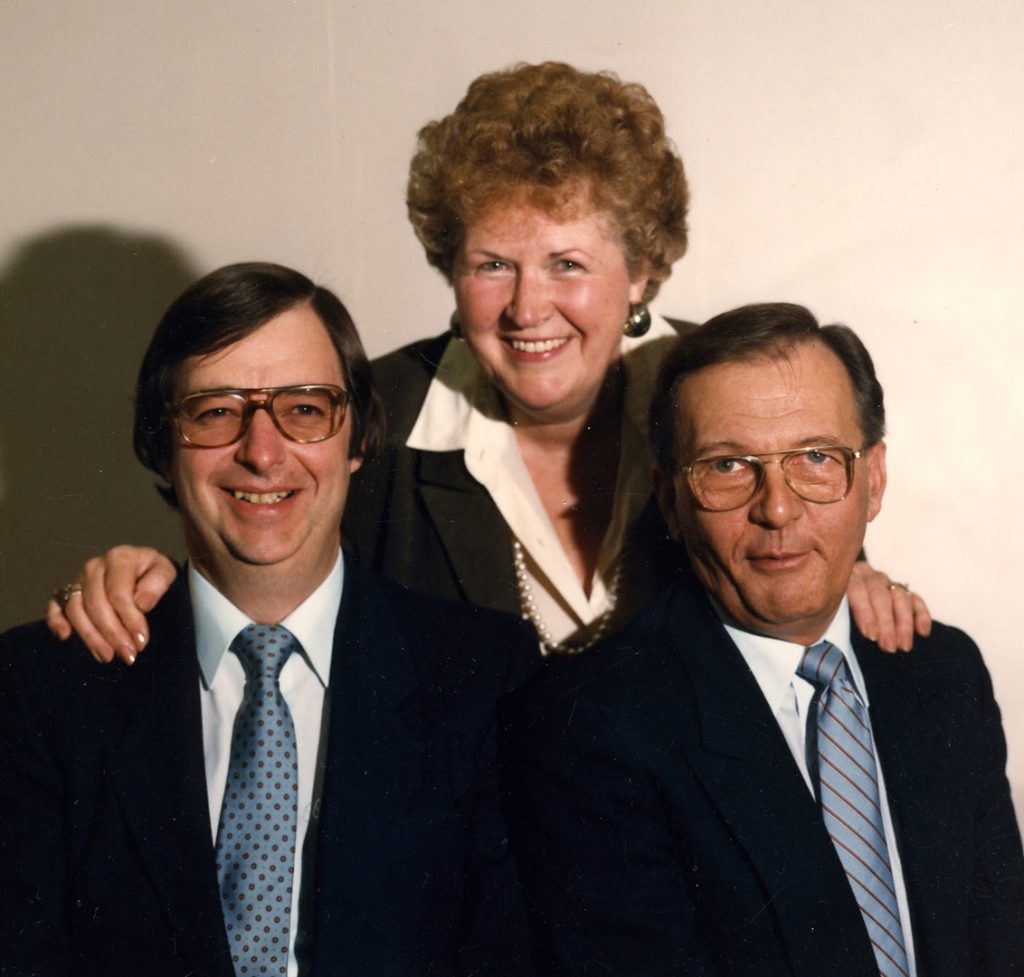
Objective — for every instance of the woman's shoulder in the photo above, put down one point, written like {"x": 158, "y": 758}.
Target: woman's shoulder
{"x": 403, "y": 377}
{"x": 417, "y": 360}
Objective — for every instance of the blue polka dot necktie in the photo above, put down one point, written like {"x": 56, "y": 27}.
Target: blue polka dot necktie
{"x": 257, "y": 830}
{"x": 848, "y": 782}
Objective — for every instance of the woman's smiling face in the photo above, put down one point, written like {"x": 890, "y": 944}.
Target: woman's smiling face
{"x": 542, "y": 304}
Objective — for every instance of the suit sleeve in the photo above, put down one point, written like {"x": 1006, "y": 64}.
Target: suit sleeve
{"x": 997, "y": 882}
{"x": 605, "y": 885}
{"x": 34, "y": 937}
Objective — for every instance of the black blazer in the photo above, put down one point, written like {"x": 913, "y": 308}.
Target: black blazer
{"x": 106, "y": 854}
{"x": 665, "y": 829}
{"x": 419, "y": 518}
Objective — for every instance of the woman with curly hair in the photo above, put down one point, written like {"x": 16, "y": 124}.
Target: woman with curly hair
{"x": 516, "y": 472}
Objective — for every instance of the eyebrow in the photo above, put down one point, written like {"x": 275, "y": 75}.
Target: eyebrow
{"x": 730, "y": 448}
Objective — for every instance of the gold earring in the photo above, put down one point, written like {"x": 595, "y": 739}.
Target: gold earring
{"x": 637, "y": 322}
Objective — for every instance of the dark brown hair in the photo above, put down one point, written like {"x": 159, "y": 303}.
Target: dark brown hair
{"x": 222, "y": 308}
{"x": 751, "y": 332}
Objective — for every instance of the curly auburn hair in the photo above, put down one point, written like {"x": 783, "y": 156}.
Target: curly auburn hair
{"x": 550, "y": 135}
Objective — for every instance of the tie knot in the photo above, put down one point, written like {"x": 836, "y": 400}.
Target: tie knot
{"x": 263, "y": 649}
{"x": 821, "y": 664}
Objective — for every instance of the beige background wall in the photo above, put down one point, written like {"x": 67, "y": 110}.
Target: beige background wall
{"x": 864, "y": 159}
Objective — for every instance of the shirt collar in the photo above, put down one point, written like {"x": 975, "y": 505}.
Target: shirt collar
{"x": 459, "y": 394}
{"x": 774, "y": 662}
{"x": 218, "y": 622}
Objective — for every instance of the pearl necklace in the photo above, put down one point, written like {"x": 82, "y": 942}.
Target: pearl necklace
{"x": 548, "y": 644}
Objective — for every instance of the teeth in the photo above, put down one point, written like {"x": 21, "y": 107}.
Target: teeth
{"x": 543, "y": 346}
{"x": 262, "y": 498}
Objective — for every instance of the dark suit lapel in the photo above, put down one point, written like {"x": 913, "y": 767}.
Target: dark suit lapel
{"x": 373, "y": 765}
{"x": 750, "y": 775}
{"x": 454, "y": 502}
{"x": 158, "y": 772}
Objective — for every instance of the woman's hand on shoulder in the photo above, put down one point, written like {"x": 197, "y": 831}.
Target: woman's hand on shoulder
{"x": 117, "y": 590}
{"x": 888, "y": 613}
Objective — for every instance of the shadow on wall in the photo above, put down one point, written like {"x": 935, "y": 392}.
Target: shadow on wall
{"x": 77, "y": 308}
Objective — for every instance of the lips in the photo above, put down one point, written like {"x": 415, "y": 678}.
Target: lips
{"x": 777, "y": 560}
{"x": 537, "y": 345}
{"x": 261, "y": 498}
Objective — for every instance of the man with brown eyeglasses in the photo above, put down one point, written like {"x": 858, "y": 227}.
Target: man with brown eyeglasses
{"x": 299, "y": 776}
{"x": 741, "y": 783}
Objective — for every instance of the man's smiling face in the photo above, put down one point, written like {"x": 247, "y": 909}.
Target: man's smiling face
{"x": 265, "y": 500}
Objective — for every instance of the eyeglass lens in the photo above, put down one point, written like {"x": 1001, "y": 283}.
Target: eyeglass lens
{"x": 302, "y": 413}
{"x": 817, "y": 475}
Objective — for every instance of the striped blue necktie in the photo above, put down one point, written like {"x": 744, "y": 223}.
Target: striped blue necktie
{"x": 848, "y": 781}
{"x": 256, "y": 835}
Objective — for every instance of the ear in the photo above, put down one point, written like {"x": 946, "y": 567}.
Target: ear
{"x": 637, "y": 287}
{"x": 355, "y": 463}
{"x": 875, "y": 459}
{"x": 666, "y": 496}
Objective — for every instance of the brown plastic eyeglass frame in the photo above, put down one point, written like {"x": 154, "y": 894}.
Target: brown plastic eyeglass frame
{"x": 779, "y": 458}
{"x": 262, "y": 398}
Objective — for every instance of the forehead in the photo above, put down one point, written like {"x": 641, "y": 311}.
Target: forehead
{"x": 799, "y": 397}
{"x": 522, "y": 222}
{"x": 291, "y": 349}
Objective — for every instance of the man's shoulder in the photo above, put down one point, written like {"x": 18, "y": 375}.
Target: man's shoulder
{"x": 446, "y": 636}
{"x": 30, "y": 656}
{"x": 946, "y": 648}
{"x": 637, "y": 665}
{"x": 946, "y": 666}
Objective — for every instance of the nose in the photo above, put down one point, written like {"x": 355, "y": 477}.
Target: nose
{"x": 776, "y": 504}
{"x": 530, "y": 303}
{"x": 263, "y": 445}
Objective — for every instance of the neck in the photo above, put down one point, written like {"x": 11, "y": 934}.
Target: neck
{"x": 267, "y": 595}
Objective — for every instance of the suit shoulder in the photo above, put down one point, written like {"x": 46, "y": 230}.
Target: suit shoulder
{"x": 454, "y": 636}
{"x": 33, "y": 642}
{"x": 944, "y": 645}
{"x": 402, "y": 376}
{"x": 619, "y": 672}
{"x": 681, "y": 326}
{"x": 402, "y": 379}
{"x": 35, "y": 664}
{"x": 420, "y": 607}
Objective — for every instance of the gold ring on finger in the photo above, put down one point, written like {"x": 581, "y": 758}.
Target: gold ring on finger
{"x": 63, "y": 594}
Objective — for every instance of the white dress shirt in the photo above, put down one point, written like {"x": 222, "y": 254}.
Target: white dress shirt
{"x": 462, "y": 412}
{"x": 774, "y": 664}
{"x": 303, "y": 684}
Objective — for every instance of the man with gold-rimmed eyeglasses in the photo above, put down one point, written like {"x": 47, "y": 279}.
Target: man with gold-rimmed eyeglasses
{"x": 741, "y": 783}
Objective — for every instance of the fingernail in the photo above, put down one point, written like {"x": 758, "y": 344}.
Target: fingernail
{"x": 131, "y": 659}
{"x": 140, "y": 640}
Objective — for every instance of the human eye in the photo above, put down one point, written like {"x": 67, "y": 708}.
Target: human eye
{"x": 211, "y": 408}
{"x": 816, "y": 459}
{"x": 563, "y": 264}
{"x": 492, "y": 266}
{"x": 728, "y": 465}
{"x": 304, "y": 404}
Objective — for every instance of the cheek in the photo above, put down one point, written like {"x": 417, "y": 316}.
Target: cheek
{"x": 717, "y": 536}
{"x": 479, "y": 304}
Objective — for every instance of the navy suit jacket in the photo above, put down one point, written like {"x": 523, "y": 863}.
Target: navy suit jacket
{"x": 106, "y": 854}
{"x": 664, "y": 828}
